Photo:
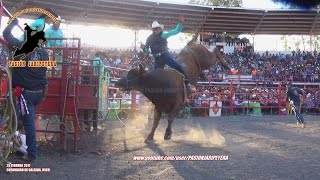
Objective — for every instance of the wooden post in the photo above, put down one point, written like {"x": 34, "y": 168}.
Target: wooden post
{"x": 134, "y": 103}
{"x": 279, "y": 97}
{"x": 231, "y": 97}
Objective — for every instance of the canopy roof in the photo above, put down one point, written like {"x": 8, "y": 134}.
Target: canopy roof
{"x": 139, "y": 14}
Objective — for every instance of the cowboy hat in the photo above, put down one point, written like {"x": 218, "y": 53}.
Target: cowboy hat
{"x": 155, "y": 24}
{"x": 99, "y": 53}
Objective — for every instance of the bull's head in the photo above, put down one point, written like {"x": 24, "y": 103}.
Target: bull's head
{"x": 132, "y": 79}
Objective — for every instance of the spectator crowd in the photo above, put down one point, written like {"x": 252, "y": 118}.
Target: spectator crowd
{"x": 297, "y": 66}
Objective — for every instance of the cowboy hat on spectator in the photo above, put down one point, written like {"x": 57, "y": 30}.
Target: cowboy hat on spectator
{"x": 60, "y": 19}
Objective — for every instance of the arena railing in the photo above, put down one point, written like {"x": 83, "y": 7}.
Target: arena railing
{"x": 255, "y": 91}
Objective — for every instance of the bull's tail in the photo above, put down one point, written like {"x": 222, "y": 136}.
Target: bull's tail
{"x": 185, "y": 93}
{"x": 184, "y": 88}
{"x": 195, "y": 37}
{"x": 221, "y": 61}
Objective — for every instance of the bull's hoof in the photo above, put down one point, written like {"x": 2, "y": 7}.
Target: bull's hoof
{"x": 167, "y": 136}
{"x": 148, "y": 141}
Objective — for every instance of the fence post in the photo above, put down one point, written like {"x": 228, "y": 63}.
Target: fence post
{"x": 279, "y": 97}
{"x": 231, "y": 97}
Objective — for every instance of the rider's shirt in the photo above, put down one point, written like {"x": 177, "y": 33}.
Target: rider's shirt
{"x": 159, "y": 43}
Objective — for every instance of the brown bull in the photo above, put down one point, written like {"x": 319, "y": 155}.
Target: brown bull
{"x": 165, "y": 88}
{"x": 196, "y": 58}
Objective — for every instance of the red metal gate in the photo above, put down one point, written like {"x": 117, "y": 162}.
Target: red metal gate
{"x": 63, "y": 94}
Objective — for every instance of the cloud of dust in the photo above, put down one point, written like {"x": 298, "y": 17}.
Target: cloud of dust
{"x": 133, "y": 129}
{"x": 139, "y": 124}
{"x": 205, "y": 138}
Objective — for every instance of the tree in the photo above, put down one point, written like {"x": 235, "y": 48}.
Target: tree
{"x": 227, "y": 3}
{"x": 286, "y": 45}
{"x": 298, "y": 4}
{"x": 297, "y": 43}
{"x": 317, "y": 43}
{"x": 303, "y": 39}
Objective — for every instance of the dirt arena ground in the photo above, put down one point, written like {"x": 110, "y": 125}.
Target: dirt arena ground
{"x": 267, "y": 147}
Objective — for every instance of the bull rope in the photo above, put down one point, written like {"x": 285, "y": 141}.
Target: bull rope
{"x": 184, "y": 86}
{"x": 8, "y": 134}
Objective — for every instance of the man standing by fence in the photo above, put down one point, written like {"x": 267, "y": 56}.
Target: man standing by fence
{"x": 30, "y": 86}
{"x": 55, "y": 32}
{"x": 293, "y": 96}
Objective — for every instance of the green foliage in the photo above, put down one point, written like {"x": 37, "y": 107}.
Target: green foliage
{"x": 226, "y": 3}
{"x": 317, "y": 43}
{"x": 297, "y": 43}
{"x": 286, "y": 45}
